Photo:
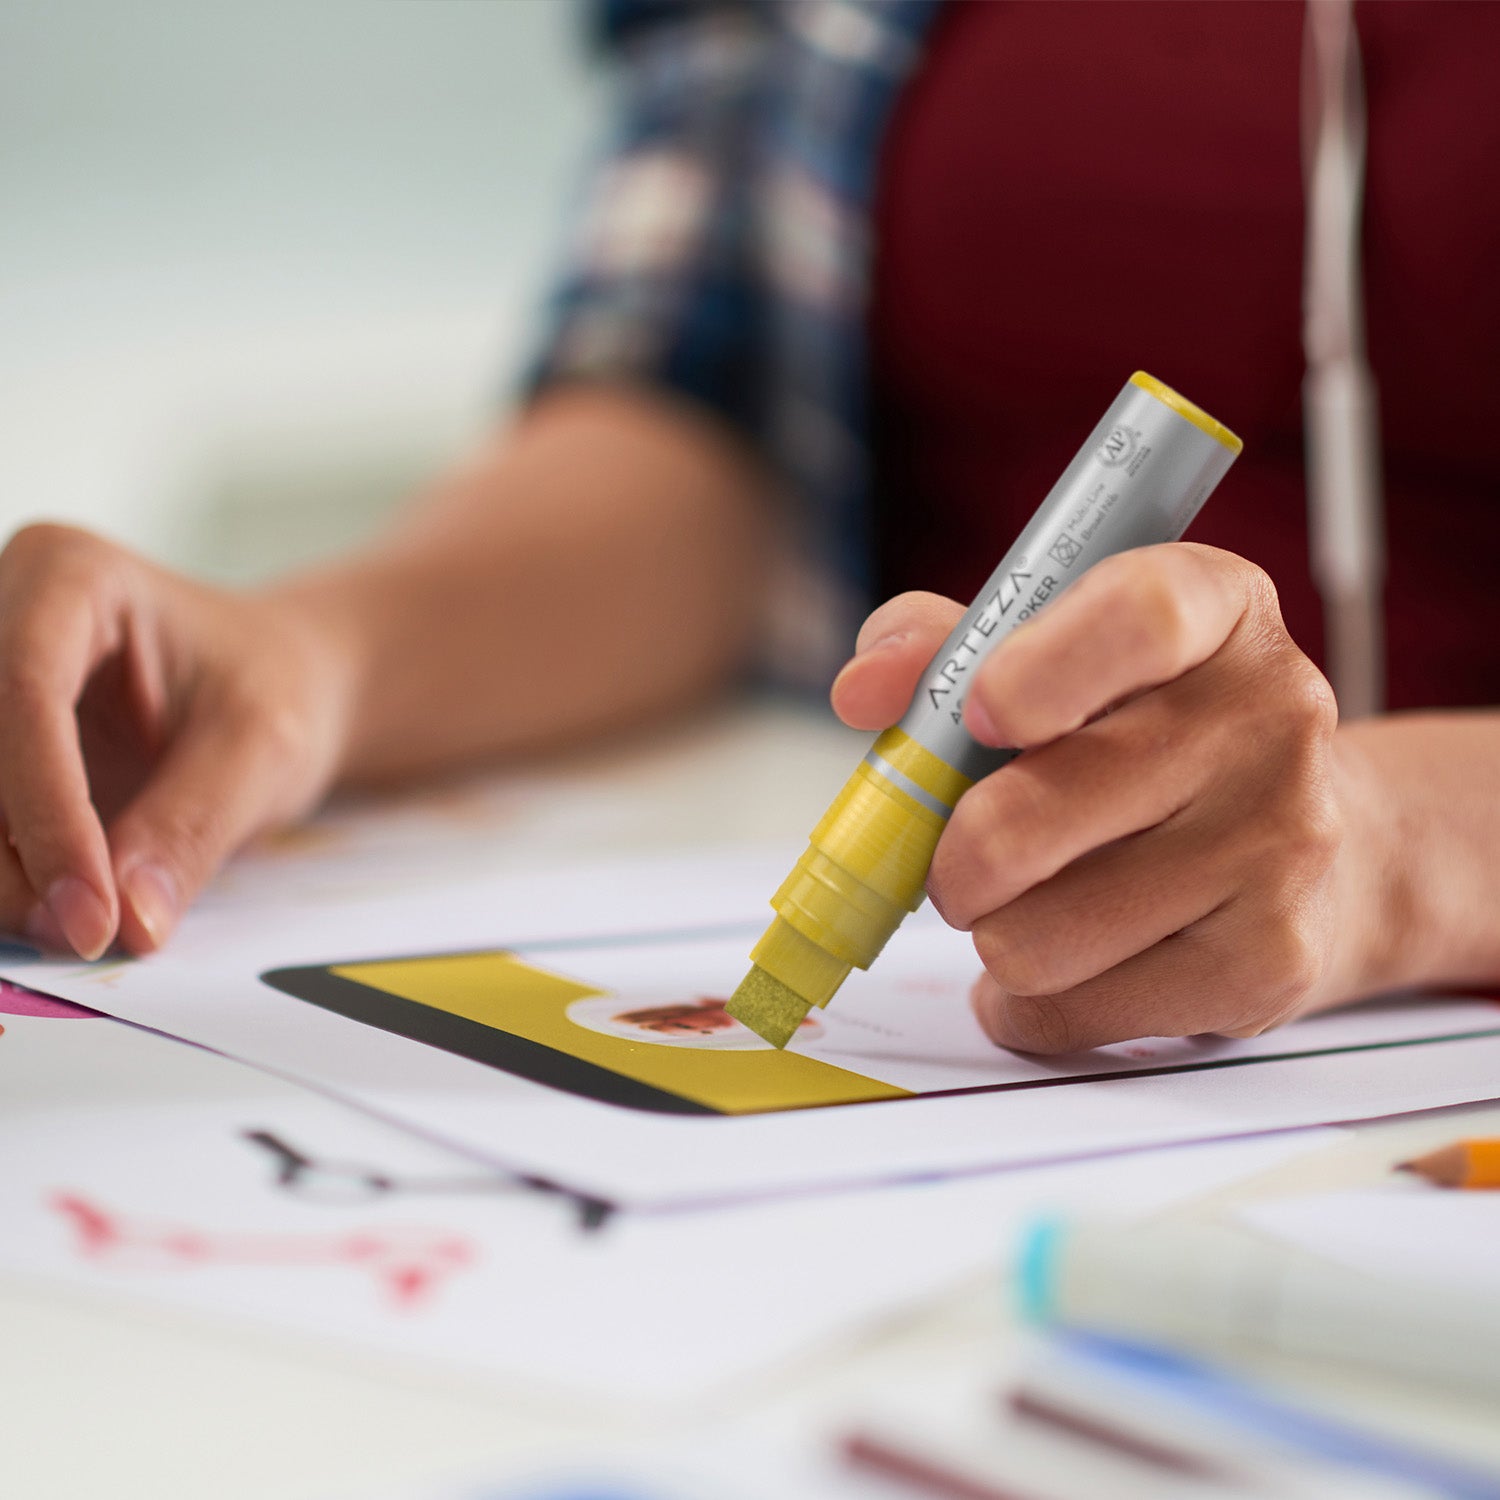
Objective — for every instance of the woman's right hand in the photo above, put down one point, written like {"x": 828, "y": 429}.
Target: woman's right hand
{"x": 149, "y": 726}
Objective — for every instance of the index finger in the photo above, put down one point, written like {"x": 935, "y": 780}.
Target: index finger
{"x": 48, "y": 645}
{"x": 1133, "y": 622}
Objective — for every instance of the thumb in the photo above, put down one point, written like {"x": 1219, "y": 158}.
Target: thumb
{"x": 221, "y": 781}
{"x": 894, "y": 648}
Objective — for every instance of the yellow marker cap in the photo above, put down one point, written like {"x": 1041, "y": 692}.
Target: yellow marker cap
{"x": 1185, "y": 408}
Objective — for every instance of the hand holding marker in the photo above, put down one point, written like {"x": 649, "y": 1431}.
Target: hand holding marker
{"x": 1139, "y": 479}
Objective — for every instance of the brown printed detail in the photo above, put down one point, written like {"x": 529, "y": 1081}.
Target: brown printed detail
{"x": 692, "y": 1018}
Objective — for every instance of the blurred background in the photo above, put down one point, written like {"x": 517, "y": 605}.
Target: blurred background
{"x": 264, "y": 269}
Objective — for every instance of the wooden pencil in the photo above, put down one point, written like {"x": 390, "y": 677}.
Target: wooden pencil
{"x": 1464, "y": 1164}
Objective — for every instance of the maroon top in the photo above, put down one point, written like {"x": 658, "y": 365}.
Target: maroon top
{"x": 1072, "y": 192}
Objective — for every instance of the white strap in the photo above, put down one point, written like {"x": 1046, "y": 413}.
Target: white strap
{"x": 1340, "y": 404}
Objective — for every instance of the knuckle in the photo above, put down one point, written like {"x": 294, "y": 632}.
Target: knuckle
{"x": 190, "y": 838}
{"x": 1149, "y": 614}
{"x": 282, "y": 741}
{"x": 1309, "y": 702}
{"x": 951, "y": 894}
{"x": 52, "y": 577}
{"x": 250, "y": 701}
{"x": 994, "y": 847}
{"x": 1303, "y": 833}
{"x": 1292, "y": 835}
{"x": 1266, "y": 980}
{"x": 1313, "y": 841}
{"x": 1261, "y": 603}
{"x": 1017, "y": 959}
{"x": 1167, "y": 624}
{"x": 1038, "y": 1023}
{"x": 277, "y": 728}
{"x": 1290, "y": 956}
{"x": 913, "y": 612}
{"x": 43, "y": 552}
{"x": 68, "y": 600}
{"x": 1018, "y": 815}
{"x": 1260, "y": 591}
{"x": 1253, "y": 1028}
{"x": 42, "y": 541}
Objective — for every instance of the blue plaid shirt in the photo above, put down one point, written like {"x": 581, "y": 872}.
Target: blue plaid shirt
{"x": 722, "y": 248}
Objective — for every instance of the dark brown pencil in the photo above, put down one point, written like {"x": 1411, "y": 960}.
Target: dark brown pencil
{"x": 863, "y": 1450}
{"x": 1040, "y": 1408}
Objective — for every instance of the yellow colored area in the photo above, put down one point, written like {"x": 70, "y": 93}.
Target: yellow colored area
{"x": 930, "y": 772}
{"x": 1185, "y": 408}
{"x": 491, "y": 988}
{"x": 504, "y": 991}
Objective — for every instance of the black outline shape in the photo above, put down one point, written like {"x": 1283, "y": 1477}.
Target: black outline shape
{"x": 474, "y": 1040}
{"x": 290, "y": 1165}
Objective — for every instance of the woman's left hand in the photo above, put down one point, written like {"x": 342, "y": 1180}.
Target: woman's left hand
{"x": 1183, "y": 846}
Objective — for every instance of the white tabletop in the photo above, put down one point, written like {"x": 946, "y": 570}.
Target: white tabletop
{"x": 112, "y": 1397}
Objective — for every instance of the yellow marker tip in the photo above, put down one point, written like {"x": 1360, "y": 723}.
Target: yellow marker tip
{"x": 771, "y": 1009}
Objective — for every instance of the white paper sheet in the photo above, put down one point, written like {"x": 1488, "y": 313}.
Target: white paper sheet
{"x": 659, "y": 931}
{"x": 179, "y": 1207}
{"x": 128, "y": 1167}
{"x": 1408, "y": 1230}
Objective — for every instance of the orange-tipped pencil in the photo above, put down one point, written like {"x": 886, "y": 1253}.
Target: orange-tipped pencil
{"x": 1465, "y": 1164}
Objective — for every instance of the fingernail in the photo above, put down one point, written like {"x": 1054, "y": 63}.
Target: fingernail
{"x": 82, "y": 916}
{"x": 861, "y": 652}
{"x": 43, "y": 932}
{"x": 978, "y": 722}
{"x": 152, "y": 894}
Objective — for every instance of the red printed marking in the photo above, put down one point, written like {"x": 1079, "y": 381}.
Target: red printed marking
{"x": 407, "y": 1263}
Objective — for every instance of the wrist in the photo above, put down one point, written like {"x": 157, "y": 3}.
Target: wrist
{"x": 1379, "y": 937}
{"x": 333, "y": 653}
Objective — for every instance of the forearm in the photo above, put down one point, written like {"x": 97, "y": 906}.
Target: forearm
{"x": 599, "y": 562}
{"x": 1426, "y": 881}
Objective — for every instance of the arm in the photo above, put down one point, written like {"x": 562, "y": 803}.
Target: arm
{"x": 599, "y": 563}
{"x": 1189, "y": 843}
{"x": 1428, "y": 789}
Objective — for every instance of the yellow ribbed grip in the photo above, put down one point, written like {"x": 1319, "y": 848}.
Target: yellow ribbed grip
{"x": 879, "y": 837}
{"x": 862, "y": 872}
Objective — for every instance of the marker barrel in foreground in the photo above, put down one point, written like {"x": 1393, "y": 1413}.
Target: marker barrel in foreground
{"x": 1139, "y": 479}
{"x": 1208, "y": 1288}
